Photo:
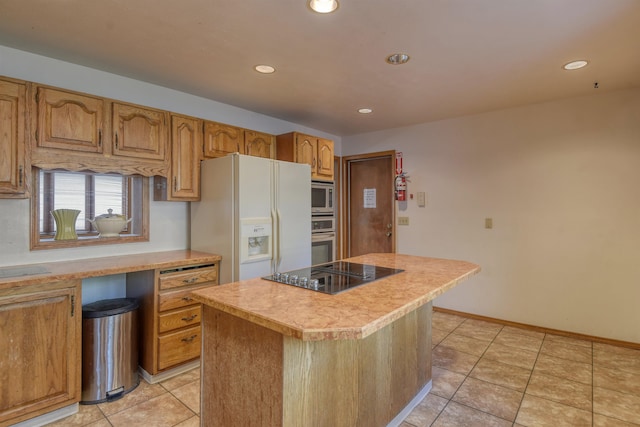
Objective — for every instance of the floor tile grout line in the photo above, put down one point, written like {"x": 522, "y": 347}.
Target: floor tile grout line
{"x": 467, "y": 376}
{"x": 533, "y": 367}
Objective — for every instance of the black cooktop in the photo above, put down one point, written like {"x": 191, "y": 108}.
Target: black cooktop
{"x": 333, "y": 277}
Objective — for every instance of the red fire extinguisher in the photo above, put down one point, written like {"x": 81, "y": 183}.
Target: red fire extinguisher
{"x": 401, "y": 188}
{"x": 400, "y": 183}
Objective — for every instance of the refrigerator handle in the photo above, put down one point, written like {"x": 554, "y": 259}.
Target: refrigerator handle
{"x": 278, "y": 252}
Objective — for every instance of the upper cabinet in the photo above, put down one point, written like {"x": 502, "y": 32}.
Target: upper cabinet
{"x": 259, "y": 144}
{"x": 301, "y": 148}
{"x": 183, "y": 183}
{"x": 139, "y": 132}
{"x": 69, "y": 121}
{"x": 221, "y": 139}
{"x": 13, "y": 173}
{"x": 75, "y": 131}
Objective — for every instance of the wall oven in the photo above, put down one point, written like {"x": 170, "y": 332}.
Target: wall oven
{"x": 323, "y": 239}
{"x": 321, "y": 198}
{"x": 323, "y": 247}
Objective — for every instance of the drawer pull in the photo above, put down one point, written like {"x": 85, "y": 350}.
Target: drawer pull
{"x": 187, "y": 299}
{"x": 190, "y": 339}
{"x": 191, "y": 280}
{"x": 190, "y": 318}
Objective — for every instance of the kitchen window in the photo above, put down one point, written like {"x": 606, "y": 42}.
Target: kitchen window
{"x": 92, "y": 194}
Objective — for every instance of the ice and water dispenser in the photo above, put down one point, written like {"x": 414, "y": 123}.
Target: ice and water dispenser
{"x": 256, "y": 238}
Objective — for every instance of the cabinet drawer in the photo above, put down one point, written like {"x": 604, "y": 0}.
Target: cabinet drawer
{"x": 189, "y": 316}
{"x": 179, "y": 347}
{"x": 188, "y": 277}
{"x": 177, "y": 299}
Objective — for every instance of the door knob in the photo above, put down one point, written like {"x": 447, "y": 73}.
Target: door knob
{"x": 388, "y": 234}
{"x": 389, "y": 225}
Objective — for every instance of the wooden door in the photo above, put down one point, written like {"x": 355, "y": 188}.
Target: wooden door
{"x": 306, "y": 148}
{"x": 325, "y": 160}
{"x": 259, "y": 144}
{"x": 369, "y": 209}
{"x": 186, "y": 146}
{"x": 39, "y": 361}
{"x": 69, "y": 121}
{"x": 139, "y": 132}
{"x": 221, "y": 139}
{"x": 12, "y": 145}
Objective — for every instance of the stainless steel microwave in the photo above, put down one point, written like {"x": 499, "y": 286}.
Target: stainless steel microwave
{"x": 322, "y": 198}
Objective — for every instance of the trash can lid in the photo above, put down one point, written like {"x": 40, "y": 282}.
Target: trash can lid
{"x": 109, "y": 307}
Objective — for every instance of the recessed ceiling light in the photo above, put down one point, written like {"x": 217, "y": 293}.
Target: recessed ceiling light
{"x": 365, "y": 110}
{"x": 398, "y": 58}
{"x": 323, "y": 6}
{"x": 574, "y": 65}
{"x": 265, "y": 69}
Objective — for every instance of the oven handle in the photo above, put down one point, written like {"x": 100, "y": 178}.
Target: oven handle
{"x": 317, "y": 237}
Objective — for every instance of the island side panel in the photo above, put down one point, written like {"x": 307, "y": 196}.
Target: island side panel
{"x": 395, "y": 366}
{"x": 357, "y": 382}
{"x": 241, "y": 375}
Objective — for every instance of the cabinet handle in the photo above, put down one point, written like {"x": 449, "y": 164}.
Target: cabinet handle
{"x": 319, "y": 163}
{"x": 190, "y": 339}
{"x": 187, "y": 299}
{"x": 175, "y": 184}
{"x": 313, "y": 164}
{"x": 20, "y": 173}
{"x": 99, "y": 137}
{"x": 191, "y": 280}
{"x": 116, "y": 140}
{"x": 190, "y": 318}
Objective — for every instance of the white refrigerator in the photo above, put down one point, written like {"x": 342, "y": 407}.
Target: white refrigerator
{"x": 256, "y": 213}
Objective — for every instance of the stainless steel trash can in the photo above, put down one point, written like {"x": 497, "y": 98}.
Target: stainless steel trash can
{"x": 109, "y": 349}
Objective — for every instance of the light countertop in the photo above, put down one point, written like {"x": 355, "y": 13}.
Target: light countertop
{"x": 353, "y": 314}
{"x": 31, "y": 274}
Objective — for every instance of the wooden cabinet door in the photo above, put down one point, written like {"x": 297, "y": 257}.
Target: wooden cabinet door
{"x": 324, "y": 169}
{"x": 139, "y": 132}
{"x": 12, "y": 145}
{"x": 305, "y": 152}
{"x": 69, "y": 121}
{"x": 259, "y": 144}
{"x": 40, "y": 357}
{"x": 221, "y": 139}
{"x": 186, "y": 146}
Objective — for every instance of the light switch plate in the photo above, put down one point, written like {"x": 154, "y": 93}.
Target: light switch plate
{"x": 403, "y": 220}
{"x": 422, "y": 199}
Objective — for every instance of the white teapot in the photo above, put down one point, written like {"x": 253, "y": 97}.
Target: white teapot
{"x": 110, "y": 224}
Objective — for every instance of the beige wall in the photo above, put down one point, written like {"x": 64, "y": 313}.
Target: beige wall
{"x": 560, "y": 180}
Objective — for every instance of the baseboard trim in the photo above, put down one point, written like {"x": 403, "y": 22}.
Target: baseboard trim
{"x": 152, "y": 379}
{"x": 618, "y": 343}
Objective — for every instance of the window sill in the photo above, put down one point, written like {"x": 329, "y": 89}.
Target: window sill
{"x": 50, "y": 243}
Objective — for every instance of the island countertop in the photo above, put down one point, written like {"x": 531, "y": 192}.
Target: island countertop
{"x": 353, "y": 314}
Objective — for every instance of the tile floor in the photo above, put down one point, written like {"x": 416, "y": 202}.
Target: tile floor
{"x": 484, "y": 374}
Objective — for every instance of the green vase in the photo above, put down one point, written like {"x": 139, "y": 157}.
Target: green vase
{"x": 65, "y": 223}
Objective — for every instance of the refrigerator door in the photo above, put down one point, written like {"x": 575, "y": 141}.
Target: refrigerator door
{"x": 293, "y": 215}
{"x": 255, "y": 200}
{"x": 213, "y": 218}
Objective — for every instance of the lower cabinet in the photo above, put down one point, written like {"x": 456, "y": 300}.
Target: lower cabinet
{"x": 40, "y": 336}
{"x": 170, "y": 317}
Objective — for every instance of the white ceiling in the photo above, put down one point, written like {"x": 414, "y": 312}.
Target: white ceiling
{"x": 467, "y": 56}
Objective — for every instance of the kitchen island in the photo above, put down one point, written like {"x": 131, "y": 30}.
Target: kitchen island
{"x": 277, "y": 355}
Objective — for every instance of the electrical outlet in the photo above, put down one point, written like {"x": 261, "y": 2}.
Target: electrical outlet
{"x": 422, "y": 199}
{"x": 403, "y": 220}
{"x": 488, "y": 223}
